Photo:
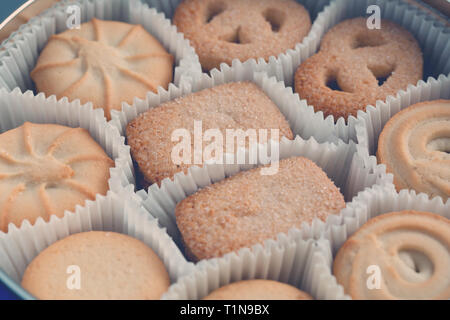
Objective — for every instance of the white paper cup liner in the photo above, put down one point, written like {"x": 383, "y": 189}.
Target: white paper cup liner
{"x": 432, "y": 35}
{"x": 372, "y": 122}
{"x": 376, "y": 201}
{"x": 339, "y": 161}
{"x": 169, "y": 6}
{"x": 113, "y": 213}
{"x": 314, "y": 7}
{"x": 303, "y": 264}
{"x": 350, "y": 172}
{"x": 22, "y": 48}
{"x": 299, "y": 115}
{"x": 313, "y": 124}
{"x": 17, "y": 108}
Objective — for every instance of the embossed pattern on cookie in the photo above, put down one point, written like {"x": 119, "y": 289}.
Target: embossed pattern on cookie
{"x": 415, "y": 147}
{"x": 46, "y": 169}
{"x": 409, "y": 252}
{"x": 103, "y": 62}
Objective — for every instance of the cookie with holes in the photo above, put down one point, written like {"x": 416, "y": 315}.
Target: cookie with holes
{"x": 399, "y": 255}
{"x": 103, "y": 62}
{"x": 357, "y": 66}
{"x": 221, "y": 31}
{"x": 415, "y": 147}
{"x": 46, "y": 169}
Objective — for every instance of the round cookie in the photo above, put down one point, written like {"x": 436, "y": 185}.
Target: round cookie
{"x": 223, "y": 30}
{"x": 258, "y": 290}
{"x": 357, "y": 66}
{"x": 399, "y": 255}
{"x": 46, "y": 169}
{"x": 415, "y": 147}
{"x": 249, "y": 207}
{"x": 103, "y": 62}
{"x": 109, "y": 266}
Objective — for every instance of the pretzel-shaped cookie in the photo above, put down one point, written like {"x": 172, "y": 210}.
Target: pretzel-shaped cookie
{"x": 411, "y": 251}
{"x": 358, "y": 60}
{"x": 223, "y": 30}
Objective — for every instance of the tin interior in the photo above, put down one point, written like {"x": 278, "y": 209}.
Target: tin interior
{"x": 439, "y": 8}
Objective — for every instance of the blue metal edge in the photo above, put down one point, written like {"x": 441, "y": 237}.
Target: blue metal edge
{"x": 14, "y": 287}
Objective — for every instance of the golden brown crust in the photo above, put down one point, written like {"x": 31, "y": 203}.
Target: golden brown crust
{"x": 236, "y": 105}
{"x": 249, "y": 208}
{"x": 46, "y": 169}
{"x": 356, "y": 57}
{"x": 258, "y": 290}
{"x": 103, "y": 62}
{"x": 410, "y": 248}
{"x": 414, "y": 145}
{"x": 223, "y": 30}
{"x": 111, "y": 266}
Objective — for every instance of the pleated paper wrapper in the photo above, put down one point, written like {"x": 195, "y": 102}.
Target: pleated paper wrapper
{"x": 21, "y": 50}
{"x": 432, "y": 35}
{"x": 300, "y": 263}
{"x": 112, "y": 213}
{"x": 372, "y": 122}
{"x": 338, "y": 159}
{"x": 376, "y": 201}
{"x": 17, "y": 108}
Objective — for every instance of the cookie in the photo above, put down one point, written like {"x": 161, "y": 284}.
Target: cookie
{"x": 236, "y": 105}
{"x": 258, "y": 290}
{"x": 400, "y": 255}
{"x": 96, "y": 265}
{"x": 46, "y": 169}
{"x": 357, "y": 66}
{"x": 249, "y": 207}
{"x": 415, "y": 147}
{"x": 103, "y": 62}
{"x": 221, "y": 31}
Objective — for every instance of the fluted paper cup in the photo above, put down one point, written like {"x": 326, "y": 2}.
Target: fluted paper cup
{"x": 373, "y": 202}
{"x": 351, "y": 173}
{"x": 372, "y": 122}
{"x": 113, "y": 213}
{"x": 302, "y": 264}
{"x": 299, "y": 115}
{"x": 339, "y": 162}
{"x": 22, "y": 48}
{"x": 432, "y": 34}
{"x": 17, "y": 108}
